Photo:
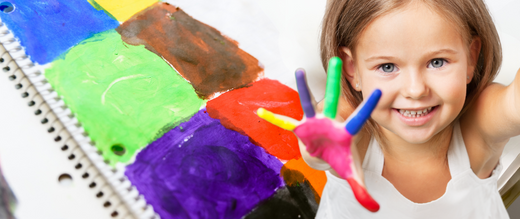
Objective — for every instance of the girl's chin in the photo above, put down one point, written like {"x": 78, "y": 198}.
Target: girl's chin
{"x": 413, "y": 135}
{"x": 416, "y": 139}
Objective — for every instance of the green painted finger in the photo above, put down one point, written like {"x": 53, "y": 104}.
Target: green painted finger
{"x": 333, "y": 87}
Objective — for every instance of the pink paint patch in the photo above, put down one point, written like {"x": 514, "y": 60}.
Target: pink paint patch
{"x": 323, "y": 139}
{"x": 326, "y": 141}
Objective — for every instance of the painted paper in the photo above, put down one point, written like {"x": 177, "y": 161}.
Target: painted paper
{"x": 200, "y": 169}
{"x": 48, "y": 28}
{"x": 139, "y": 88}
{"x": 210, "y": 61}
{"x": 124, "y": 96}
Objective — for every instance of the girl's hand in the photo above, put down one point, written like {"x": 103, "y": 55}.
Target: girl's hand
{"x": 326, "y": 138}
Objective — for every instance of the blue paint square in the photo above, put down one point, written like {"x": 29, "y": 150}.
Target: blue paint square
{"x": 48, "y": 28}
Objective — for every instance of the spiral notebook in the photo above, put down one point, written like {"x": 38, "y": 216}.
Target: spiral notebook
{"x": 113, "y": 192}
{"x": 148, "y": 107}
{"x": 142, "y": 131}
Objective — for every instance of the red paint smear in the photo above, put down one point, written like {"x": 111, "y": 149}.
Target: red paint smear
{"x": 362, "y": 196}
{"x": 236, "y": 110}
{"x": 316, "y": 178}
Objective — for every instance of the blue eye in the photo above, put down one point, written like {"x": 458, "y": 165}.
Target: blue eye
{"x": 388, "y": 67}
{"x": 436, "y": 63}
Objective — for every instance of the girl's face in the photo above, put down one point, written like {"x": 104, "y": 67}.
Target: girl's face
{"x": 421, "y": 64}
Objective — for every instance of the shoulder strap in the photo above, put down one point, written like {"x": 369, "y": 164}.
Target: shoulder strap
{"x": 458, "y": 158}
{"x": 374, "y": 158}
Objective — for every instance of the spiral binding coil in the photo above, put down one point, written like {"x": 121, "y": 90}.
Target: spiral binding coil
{"x": 110, "y": 184}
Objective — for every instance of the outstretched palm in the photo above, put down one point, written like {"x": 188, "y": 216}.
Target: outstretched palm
{"x": 326, "y": 138}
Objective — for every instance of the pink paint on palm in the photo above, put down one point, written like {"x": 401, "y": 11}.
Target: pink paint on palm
{"x": 323, "y": 139}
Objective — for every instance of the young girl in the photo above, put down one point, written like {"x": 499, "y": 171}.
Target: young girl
{"x": 432, "y": 147}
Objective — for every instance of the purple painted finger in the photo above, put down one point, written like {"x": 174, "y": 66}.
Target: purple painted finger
{"x": 305, "y": 95}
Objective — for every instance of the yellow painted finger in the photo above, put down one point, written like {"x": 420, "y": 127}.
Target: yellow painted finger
{"x": 275, "y": 120}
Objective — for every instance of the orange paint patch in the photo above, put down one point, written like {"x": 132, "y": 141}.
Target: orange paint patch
{"x": 316, "y": 178}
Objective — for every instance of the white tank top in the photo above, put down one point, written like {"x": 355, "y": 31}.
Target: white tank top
{"x": 466, "y": 196}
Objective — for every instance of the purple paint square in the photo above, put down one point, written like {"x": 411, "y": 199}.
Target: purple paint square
{"x": 200, "y": 169}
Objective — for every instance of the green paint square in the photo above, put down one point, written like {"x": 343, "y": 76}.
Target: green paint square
{"x": 124, "y": 96}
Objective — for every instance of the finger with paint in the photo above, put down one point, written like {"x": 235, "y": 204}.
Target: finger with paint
{"x": 278, "y": 120}
{"x": 306, "y": 98}
{"x": 333, "y": 88}
{"x": 358, "y": 118}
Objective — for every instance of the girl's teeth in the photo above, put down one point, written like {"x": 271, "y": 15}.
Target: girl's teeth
{"x": 413, "y": 114}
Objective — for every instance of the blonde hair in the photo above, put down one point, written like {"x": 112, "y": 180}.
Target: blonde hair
{"x": 345, "y": 21}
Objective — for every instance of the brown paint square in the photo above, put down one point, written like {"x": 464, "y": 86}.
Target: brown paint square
{"x": 210, "y": 61}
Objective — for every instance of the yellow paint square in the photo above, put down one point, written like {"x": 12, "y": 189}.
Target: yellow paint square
{"x": 122, "y": 9}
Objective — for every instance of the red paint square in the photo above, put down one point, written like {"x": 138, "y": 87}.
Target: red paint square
{"x": 236, "y": 110}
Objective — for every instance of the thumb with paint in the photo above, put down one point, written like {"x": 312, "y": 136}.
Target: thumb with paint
{"x": 326, "y": 140}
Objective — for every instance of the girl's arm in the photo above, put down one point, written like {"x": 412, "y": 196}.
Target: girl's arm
{"x": 496, "y": 113}
{"x": 490, "y": 123}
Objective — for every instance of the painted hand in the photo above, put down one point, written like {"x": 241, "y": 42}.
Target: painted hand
{"x": 326, "y": 138}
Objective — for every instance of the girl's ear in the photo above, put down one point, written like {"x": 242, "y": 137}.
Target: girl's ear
{"x": 349, "y": 68}
{"x": 474, "y": 52}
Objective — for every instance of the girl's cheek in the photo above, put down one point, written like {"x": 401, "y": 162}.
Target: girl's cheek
{"x": 452, "y": 89}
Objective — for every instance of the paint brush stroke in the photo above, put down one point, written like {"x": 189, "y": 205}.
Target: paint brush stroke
{"x": 237, "y": 111}
{"x": 48, "y": 28}
{"x": 295, "y": 200}
{"x": 202, "y": 170}
{"x": 122, "y": 9}
{"x": 123, "y": 95}
{"x": 210, "y": 61}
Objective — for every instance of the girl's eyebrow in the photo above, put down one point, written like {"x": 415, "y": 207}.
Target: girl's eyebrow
{"x": 379, "y": 57}
{"x": 433, "y": 53}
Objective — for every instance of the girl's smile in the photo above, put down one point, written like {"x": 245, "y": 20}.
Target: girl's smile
{"x": 416, "y": 117}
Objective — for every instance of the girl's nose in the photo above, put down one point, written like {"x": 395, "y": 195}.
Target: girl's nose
{"x": 415, "y": 86}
